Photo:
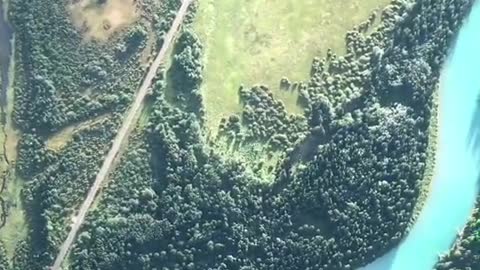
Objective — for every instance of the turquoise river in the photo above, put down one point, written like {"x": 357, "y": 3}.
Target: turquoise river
{"x": 455, "y": 183}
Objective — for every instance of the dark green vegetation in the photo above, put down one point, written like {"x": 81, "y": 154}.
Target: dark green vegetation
{"x": 4, "y": 265}
{"x": 62, "y": 79}
{"x": 186, "y": 73}
{"x": 466, "y": 252}
{"x": 342, "y": 194}
{"x": 263, "y": 119}
{"x": 174, "y": 203}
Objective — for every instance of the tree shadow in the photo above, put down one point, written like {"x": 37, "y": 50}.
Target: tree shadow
{"x": 473, "y": 141}
{"x": 473, "y": 138}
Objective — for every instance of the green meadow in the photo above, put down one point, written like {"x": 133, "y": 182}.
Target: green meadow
{"x": 261, "y": 41}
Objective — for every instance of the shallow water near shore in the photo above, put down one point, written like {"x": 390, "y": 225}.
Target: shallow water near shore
{"x": 457, "y": 168}
{"x": 5, "y": 54}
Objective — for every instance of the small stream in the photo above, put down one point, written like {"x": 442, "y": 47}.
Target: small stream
{"x": 6, "y": 34}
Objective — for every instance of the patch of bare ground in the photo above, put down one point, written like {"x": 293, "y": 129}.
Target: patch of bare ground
{"x": 100, "y": 19}
{"x": 59, "y": 140}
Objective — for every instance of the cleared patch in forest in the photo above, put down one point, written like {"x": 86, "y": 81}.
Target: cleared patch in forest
{"x": 99, "y": 19}
{"x": 59, "y": 140}
{"x": 261, "y": 161}
{"x": 260, "y": 42}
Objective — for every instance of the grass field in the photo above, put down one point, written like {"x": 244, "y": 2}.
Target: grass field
{"x": 15, "y": 228}
{"x": 260, "y": 41}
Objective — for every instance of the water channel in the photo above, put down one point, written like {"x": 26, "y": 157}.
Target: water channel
{"x": 455, "y": 184}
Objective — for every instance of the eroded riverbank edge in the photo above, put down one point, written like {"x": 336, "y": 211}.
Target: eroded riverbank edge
{"x": 428, "y": 179}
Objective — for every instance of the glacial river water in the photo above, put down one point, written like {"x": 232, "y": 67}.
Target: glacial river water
{"x": 455, "y": 184}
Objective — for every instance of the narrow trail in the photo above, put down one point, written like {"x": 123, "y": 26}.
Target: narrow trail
{"x": 121, "y": 136}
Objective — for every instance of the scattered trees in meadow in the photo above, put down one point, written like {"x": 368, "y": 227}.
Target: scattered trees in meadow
{"x": 176, "y": 204}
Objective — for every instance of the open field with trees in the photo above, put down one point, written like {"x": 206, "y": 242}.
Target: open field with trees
{"x": 174, "y": 202}
{"x": 328, "y": 185}
{"x": 261, "y": 42}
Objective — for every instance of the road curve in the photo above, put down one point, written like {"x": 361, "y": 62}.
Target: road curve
{"x": 130, "y": 119}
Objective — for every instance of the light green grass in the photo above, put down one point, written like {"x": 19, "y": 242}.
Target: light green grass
{"x": 145, "y": 114}
{"x": 15, "y": 228}
{"x": 11, "y": 132}
{"x": 58, "y": 140}
{"x": 260, "y": 41}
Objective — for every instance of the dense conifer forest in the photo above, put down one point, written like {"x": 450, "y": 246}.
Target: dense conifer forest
{"x": 345, "y": 177}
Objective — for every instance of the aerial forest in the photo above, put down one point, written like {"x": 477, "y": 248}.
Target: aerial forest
{"x": 333, "y": 187}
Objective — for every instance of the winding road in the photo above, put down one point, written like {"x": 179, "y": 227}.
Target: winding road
{"x": 130, "y": 119}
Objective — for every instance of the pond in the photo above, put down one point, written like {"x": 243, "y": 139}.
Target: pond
{"x": 455, "y": 184}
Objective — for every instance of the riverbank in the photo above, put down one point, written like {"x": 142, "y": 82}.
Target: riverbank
{"x": 464, "y": 252}
{"x": 428, "y": 179}
{"x": 454, "y": 185}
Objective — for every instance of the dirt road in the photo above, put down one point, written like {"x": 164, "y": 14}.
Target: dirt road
{"x": 122, "y": 135}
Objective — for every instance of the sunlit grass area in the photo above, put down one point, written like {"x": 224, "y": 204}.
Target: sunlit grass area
{"x": 260, "y": 42}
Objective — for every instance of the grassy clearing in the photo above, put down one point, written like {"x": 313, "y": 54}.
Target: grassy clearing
{"x": 15, "y": 228}
{"x": 259, "y": 42}
{"x": 59, "y": 140}
{"x": 169, "y": 91}
{"x": 145, "y": 114}
{"x": 11, "y": 133}
{"x": 99, "y": 19}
